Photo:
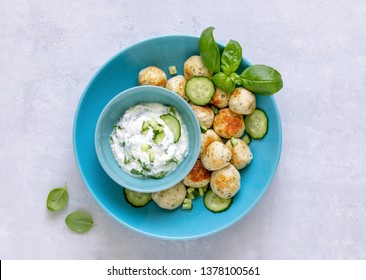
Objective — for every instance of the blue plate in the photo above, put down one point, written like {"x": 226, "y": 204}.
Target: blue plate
{"x": 120, "y": 73}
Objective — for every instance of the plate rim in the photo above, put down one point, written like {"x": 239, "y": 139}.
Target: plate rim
{"x": 135, "y": 229}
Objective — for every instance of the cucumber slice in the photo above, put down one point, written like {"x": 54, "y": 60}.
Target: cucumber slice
{"x": 256, "y": 124}
{"x": 136, "y": 199}
{"x": 215, "y": 203}
{"x": 200, "y": 90}
{"x": 173, "y": 124}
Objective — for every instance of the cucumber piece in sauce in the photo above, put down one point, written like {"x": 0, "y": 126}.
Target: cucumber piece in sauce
{"x": 173, "y": 124}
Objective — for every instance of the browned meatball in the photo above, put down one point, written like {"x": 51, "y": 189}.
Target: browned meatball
{"x": 152, "y": 75}
{"x": 198, "y": 177}
{"x": 228, "y": 124}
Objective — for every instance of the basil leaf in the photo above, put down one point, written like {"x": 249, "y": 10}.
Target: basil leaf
{"x": 261, "y": 79}
{"x": 57, "y": 199}
{"x": 209, "y": 51}
{"x": 231, "y": 57}
{"x": 223, "y": 81}
{"x": 235, "y": 78}
{"x": 79, "y": 221}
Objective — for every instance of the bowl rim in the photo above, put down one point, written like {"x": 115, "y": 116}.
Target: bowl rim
{"x": 112, "y": 214}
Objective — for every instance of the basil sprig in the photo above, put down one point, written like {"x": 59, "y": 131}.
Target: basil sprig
{"x": 79, "y": 221}
{"x": 209, "y": 50}
{"x": 231, "y": 57}
{"x": 57, "y": 199}
{"x": 224, "y": 82}
{"x": 260, "y": 79}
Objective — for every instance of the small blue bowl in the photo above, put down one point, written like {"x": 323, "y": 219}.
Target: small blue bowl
{"x": 112, "y": 113}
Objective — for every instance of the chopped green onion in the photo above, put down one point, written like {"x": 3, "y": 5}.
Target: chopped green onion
{"x": 145, "y": 167}
{"x": 172, "y": 160}
{"x": 172, "y": 109}
{"x": 126, "y": 160}
{"x": 215, "y": 110}
{"x": 136, "y": 172}
{"x": 159, "y": 175}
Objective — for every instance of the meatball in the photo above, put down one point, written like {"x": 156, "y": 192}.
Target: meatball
{"x": 170, "y": 198}
{"x": 226, "y": 181}
{"x": 242, "y": 101}
{"x": 228, "y": 124}
{"x": 193, "y": 66}
{"x": 220, "y": 98}
{"x": 198, "y": 177}
{"x": 207, "y": 138}
{"x": 178, "y": 85}
{"x": 204, "y": 114}
{"x": 242, "y": 155}
{"x": 216, "y": 156}
{"x": 152, "y": 76}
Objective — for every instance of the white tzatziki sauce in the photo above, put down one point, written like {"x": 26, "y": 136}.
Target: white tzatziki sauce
{"x": 143, "y": 144}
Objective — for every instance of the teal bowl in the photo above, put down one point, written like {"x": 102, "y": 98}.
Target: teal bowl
{"x": 120, "y": 73}
{"x": 112, "y": 113}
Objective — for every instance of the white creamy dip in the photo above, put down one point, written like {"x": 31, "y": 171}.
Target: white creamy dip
{"x": 133, "y": 145}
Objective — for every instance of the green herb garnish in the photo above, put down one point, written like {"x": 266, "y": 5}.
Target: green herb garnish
{"x": 79, "y": 221}
{"x": 260, "y": 79}
{"x": 126, "y": 160}
{"x": 135, "y": 171}
{"x": 57, "y": 199}
{"x": 159, "y": 175}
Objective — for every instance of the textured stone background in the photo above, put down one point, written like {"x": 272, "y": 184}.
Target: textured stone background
{"x": 316, "y": 205}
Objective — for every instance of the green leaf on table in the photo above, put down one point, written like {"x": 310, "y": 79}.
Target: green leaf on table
{"x": 57, "y": 199}
{"x": 79, "y": 221}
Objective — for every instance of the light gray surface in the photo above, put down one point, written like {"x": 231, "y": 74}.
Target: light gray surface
{"x": 315, "y": 207}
